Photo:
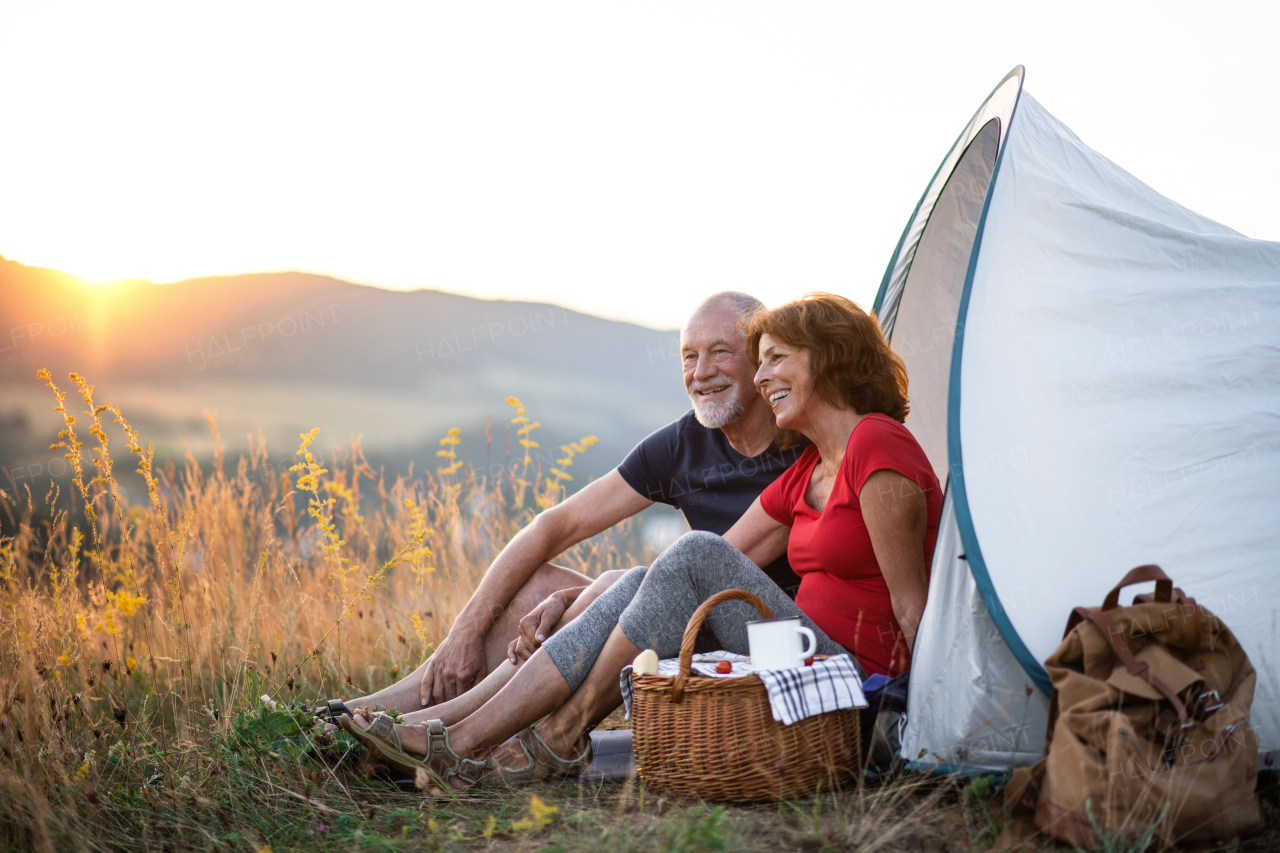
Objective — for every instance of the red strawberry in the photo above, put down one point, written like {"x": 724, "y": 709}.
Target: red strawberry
{"x": 723, "y": 667}
{"x": 808, "y": 661}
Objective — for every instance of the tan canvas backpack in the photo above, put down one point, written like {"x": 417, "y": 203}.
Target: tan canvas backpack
{"x": 1149, "y": 729}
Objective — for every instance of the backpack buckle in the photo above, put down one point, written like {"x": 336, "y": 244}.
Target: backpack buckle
{"x": 1210, "y": 701}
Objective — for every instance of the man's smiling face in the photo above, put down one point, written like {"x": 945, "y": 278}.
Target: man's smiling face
{"x": 716, "y": 366}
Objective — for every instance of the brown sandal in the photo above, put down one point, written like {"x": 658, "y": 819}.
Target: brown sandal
{"x": 440, "y": 761}
{"x": 543, "y": 764}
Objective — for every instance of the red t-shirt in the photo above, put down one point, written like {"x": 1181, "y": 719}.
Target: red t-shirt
{"x": 841, "y": 586}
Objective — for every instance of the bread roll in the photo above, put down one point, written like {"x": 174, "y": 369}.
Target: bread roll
{"x": 646, "y": 663}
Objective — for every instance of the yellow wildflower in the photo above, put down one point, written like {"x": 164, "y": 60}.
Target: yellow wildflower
{"x": 107, "y": 624}
{"x": 418, "y": 549}
{"x": 449, "y": 442}
{"x": 129, "y": 604}
{"x": 540, "y": 815}
{"x": 560, "y": 475}
{"x": 419, "y": 628}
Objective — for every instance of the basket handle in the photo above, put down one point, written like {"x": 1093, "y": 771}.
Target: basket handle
{"x": 695, "y": 625}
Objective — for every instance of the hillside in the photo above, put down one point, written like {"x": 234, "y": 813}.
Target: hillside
{"x": 284, "y": 352}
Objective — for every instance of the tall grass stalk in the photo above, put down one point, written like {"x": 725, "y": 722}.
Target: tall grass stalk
{"x": 132, "y": 634}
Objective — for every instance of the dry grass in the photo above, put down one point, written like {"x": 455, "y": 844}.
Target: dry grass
{"x": 136, "y": 636}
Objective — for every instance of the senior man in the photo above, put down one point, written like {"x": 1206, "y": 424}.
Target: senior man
{"x": 711, "y": 464}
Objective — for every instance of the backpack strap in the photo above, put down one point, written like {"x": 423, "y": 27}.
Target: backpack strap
{"x": 1139, "y": 669}
{"x": 1164, "y": 586}
{"x": 1191, "y": 611}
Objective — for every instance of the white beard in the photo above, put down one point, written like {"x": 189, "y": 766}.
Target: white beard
{"x": 715, "y": 414}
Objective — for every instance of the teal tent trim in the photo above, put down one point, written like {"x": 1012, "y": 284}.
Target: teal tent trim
{"x": 897, "y": 251}
{"x": 956, "y": 771}
{"x": 955, "y": 454}
{"x": 1018, "y": 72}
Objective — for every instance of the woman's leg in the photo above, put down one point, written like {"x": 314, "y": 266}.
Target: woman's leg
{"x": 540, "y": 684}
{"x": 696, "y": 567}
{"x": 594, "y": 699}
{"x": 692, "y": 570}
{"x": 549, "y": 676}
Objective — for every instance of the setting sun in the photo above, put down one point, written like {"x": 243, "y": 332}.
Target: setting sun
{"x": 101, "y": 283}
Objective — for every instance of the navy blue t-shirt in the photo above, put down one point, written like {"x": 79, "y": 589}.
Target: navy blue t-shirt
{"x": 697, "y": 471}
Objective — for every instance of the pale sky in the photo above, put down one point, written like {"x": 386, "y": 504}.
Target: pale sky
{"x": 624, "y": 159}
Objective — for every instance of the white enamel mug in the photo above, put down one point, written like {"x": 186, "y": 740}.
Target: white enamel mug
{"x": 775, "y": 643}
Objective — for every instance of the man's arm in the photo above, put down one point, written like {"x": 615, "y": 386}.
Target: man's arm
{"x": 459, "y": 661}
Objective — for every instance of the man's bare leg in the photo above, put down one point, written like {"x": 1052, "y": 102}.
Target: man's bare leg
{"x": 404, "y": 696}
{"x": 563, "y": 729}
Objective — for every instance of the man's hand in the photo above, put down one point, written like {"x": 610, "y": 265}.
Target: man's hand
{"x": 536, "y": 626}
{"x": 457, "y": 665}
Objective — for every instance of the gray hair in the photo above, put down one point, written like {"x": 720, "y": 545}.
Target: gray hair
{"x": 742, "y": 303}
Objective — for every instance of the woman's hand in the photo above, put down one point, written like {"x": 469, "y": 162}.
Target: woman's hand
{"x": 517, "y": 651}
{"x": 539, "y": 622}
{"x": 896, "y": 513}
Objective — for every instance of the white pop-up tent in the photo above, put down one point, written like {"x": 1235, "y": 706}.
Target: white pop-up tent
{"x": 1095, "y": 375}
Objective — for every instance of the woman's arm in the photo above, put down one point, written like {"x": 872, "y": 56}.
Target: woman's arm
{"x": 897, "y": 517}
{"x": 758, "y": 536}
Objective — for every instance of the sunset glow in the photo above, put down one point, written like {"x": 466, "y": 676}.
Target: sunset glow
{"x": 101, "y": 283}
{"x": 578, "y": 153}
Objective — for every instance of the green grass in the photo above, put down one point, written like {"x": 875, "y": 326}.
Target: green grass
{"x": 258, "y": 786}
{"x": 259, "y": 781}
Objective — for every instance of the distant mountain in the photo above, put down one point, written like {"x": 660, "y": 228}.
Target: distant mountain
{"x": 288, "y": 351}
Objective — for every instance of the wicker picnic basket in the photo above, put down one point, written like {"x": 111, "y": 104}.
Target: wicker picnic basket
{"x": 715, "y": 738}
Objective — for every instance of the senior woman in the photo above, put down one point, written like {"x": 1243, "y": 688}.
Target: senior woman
{"x": 857, "y": 515}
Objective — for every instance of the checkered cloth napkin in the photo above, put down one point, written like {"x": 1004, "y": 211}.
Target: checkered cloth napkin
{"x": 831, "y": 684}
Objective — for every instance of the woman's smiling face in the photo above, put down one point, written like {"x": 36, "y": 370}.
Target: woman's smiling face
{"x": 785, "y": 381}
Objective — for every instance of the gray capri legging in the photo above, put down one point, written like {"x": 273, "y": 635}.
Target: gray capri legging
{"x": 653, "y": 605}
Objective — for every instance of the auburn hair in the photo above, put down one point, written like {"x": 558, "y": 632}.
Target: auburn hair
{"x": 851, "y": 361}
